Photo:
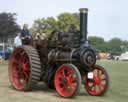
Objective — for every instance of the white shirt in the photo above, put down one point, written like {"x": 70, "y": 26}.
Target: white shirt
{"x": 17, "y": 41}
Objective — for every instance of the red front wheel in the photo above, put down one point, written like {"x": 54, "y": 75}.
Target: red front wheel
{"x": 97, "y": 81}
{"x": 67, "y": 80}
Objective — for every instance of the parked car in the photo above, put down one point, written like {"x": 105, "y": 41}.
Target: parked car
{"x": 116, "y": 58}
{"x": 5, "y": 51}
{"x": 4, "y": 55}
{"x": 122, "y": 57}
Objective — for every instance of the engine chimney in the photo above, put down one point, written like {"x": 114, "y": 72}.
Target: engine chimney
{"x": 83, "y": 24}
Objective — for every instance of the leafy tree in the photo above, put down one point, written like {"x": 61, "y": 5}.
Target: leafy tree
{"x": 39, "y": 26}
{"x": 43, "y": 25}
{"x": 115, "y": 46}
{"x": 63, "y": 21}
{"x": 98, "y": 43}
{"x": 8, "y": 25}
{"x": 66, "y": 19}
{"x": 124, "y": 46}
{"x": 51, "y": 24}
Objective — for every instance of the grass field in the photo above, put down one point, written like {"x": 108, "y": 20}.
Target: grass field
{"x": 118, "y": 92}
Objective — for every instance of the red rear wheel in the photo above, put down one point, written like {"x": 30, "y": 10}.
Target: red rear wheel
{"x": 24, "y": 70}
{"x": 67, "y": 80}
{"x": 98, "y": 84}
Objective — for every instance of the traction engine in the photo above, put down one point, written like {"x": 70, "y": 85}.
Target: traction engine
{"x": 64, "y": 61}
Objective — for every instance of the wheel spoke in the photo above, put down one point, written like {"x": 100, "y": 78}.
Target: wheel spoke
{"x": 70, "y": 73}
{"x": 22, "y": 53}
{"x": 26, "y": 75}
{"x": 103, "y": 77}
{"x": 94, "y": 89}
{"x": 95, "y": 72}
{"x": 73, "y": 80}
{"x": 15, "y": 74}
{"x": 90, "y": 87}
{"x": 100, "y": 88}
{"x": 73, "y": 86}
{"x": 15, "y": 61}
{"x": 99, "y": 73}
{"x": 103, "y": 85}
{"x": 63, "y": 73}
{"x": 64, "y": 86}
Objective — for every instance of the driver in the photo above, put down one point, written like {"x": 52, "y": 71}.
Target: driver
{"x": 25, "y": 35}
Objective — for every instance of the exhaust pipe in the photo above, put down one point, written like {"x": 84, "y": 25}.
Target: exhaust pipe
{"x": 83, "y": 24}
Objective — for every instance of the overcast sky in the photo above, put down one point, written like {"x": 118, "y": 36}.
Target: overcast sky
{"x": 107, "y": 18}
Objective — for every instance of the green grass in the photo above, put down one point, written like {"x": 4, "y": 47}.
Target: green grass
{"x": 3, "y": 63}
{"x": 118, "y": 91}
{"x": 118, "y": 73}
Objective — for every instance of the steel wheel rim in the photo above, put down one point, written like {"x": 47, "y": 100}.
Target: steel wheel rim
{"x": 66, "y": 81}
{"x": 19, "y": 69}
{"x": 99, "y": 83}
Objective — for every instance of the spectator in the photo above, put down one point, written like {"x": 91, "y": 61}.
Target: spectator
{"x": 17, "y": 40}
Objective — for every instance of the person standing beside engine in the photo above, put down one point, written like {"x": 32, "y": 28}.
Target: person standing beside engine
{"x": 17, "y": 40}
{"x": 25, "y": 35}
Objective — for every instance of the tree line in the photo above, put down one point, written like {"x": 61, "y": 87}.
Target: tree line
{"x": 115, "y": 46}
{"x": 9, "y": 27}
{"x": 61, "y": 22}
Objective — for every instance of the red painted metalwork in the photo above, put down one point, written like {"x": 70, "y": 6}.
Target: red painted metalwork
{"x": 99, "y": 83}
{"x": 19, "y": 69}
{"x": 66, "y": 81}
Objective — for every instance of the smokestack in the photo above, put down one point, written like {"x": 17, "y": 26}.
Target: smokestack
{"x": 83, "y": 24}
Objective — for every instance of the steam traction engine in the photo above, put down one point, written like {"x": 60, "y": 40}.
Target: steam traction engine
{"x": 63, "y": 63}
